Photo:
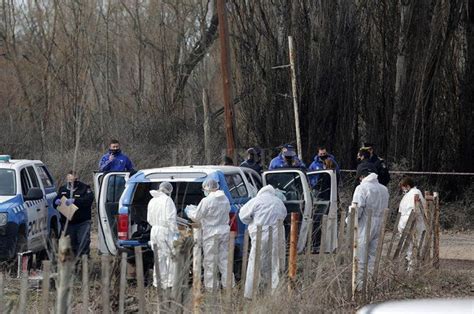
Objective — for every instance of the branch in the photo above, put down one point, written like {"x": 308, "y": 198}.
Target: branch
{"x": 197, "y": 54}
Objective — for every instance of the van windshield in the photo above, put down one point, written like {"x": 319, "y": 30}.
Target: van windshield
{"x": 7, "y": 182}
{"x": 184, "y": 193}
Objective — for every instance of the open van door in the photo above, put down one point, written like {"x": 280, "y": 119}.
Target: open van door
{"x": 109, "y": 187}
{"x": 324, "y": 191}
{"x": 293, "y": 183}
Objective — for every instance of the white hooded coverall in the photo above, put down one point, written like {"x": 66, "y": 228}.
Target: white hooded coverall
{"x": 213, "y": 214}
{"x": 161, "y": 216}
{"x": 369, "y": 195}
{"x": 407, "y": 204}
{"x": 264, "y": 210}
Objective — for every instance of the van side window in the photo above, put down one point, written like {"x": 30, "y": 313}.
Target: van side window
{"x": 236, "y": 185}
{"x": 25, "y": 182}
{"x": 45, "y": 177}
{"x": 33, "y": 177}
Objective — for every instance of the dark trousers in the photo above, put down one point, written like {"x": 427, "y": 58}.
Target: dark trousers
{"x": 80, "y": 235}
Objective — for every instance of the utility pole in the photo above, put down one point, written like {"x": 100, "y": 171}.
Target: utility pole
{"x": 207, "y": 127}
{"x": 292, "y": 53}
{"x": 226, "y": 78}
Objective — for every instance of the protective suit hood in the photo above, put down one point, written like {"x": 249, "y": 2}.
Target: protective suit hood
{"x": 155, "y": 193}
{"x": 372, "y": 177}
{"x": 267, "y": 189}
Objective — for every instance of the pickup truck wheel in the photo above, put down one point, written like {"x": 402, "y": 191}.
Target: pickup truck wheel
{"x": 21, "y": 244}
{"x": 52, "y": 245}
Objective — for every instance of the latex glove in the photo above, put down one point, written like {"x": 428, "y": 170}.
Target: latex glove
{"x": 176, "y": 236}
{"x": 57, "y": 202}
{"x": 189, "y": 208}
{"x": 69, "y": 202}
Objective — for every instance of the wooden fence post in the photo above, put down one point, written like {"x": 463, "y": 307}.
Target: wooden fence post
{"x": 157, "y": 274}
{"x": 140, "y": 280}
{"x": 365, "y": 278}
{"x": 378, "y": 254}
{"x": 409, "y": 239}
{"x": 436, "y": 230}
{"x": 394, "y": 235}
{"x": 293, "y": 250}
{"x": 340, "y": 239}
{"x": 85, "y": 284}
{"x": 65, "y": 267}
{"x": 425, "y": 248}
{"x": 45, "y": 287}
{"x": 281, "y": 245}
{"x": 350, "y": 233}
{"x": 197, "y": 270}
{"x": 257, "y": 263}
{"x": 245, "y": 258}
{"x": 354, "y": 243}
{"x": 123, "y": 282}
{"x": 105, "y": 273}
{"x": 230, "y": 267}
{"x": 404, "y": 235}
{"x": 23, "y": 291}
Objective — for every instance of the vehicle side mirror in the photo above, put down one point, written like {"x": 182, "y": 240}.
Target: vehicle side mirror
{"x": 34, "y": 194}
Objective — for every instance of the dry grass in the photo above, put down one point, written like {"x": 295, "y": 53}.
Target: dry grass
{"x": 330, "y": 292}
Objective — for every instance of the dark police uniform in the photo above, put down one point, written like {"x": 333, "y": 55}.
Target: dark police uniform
{"x": 381, "y": 169}
{"x": 80, "y": 225}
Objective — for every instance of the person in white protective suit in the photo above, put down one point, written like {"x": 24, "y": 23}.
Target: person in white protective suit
{"x": 213, "y": 214}
{"x": 407, "y": 205}
{"x": 369, "y": 195}
{"x": 265, "y": 210}
{"x": 161, "y": 216}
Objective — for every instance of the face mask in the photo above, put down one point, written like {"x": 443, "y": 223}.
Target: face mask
{"x": 114, "y": 151}
{"x": 72, "y": 185}
{"x": 323, "y": 157}
{"x": 206, "y": 193}
{"x": 289, "y": 160}
{"x": 404, "y": 191}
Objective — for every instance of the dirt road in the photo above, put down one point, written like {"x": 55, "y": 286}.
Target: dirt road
{"x": 457, "y": 245}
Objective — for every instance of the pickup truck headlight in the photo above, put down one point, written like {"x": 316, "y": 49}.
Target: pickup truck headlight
{"x": 3, "y": 219}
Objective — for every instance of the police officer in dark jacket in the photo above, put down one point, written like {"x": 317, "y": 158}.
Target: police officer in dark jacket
{"x": 79, "y": 227}
{"x": 380, "y": 165}
{"x": 253, "y": 160}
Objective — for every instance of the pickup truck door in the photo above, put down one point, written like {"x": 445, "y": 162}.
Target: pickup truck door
{"x": 108, "y": 187}
{"x": 294, "y": 185}
{"x": 36, "y": 210}
{"x": 325, "y": 203}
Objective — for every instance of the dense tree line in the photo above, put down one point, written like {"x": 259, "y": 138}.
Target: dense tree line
{"x": 397, "y": 73}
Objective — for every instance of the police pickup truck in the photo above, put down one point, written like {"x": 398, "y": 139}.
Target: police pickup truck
{"x": 28, "y": 220}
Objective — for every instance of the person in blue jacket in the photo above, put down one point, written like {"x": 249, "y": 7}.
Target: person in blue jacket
{"x": 318, "y": 164}
{"x": 115, "y": 160}
{"x": 286, "y": 159}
